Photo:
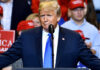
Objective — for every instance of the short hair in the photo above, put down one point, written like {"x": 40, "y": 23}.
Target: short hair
{"x": 32, "y": 16}
{"x": 50, "y": 5}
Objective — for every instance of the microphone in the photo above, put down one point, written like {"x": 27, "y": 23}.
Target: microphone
{"x": 51, "y": 30}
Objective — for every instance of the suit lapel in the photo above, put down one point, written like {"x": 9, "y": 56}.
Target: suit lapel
{"x": 60, "y": 46}
{"x": 38, "y": 46}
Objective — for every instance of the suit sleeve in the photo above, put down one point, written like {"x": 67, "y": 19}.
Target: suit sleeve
{"x": 87, "y": 58}
{"x": 13, "y": 54}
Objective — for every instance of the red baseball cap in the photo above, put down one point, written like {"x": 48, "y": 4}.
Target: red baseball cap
{"x": 24, "y": 25}
{"x": 75, "y": 4}
{"x": 1, "y": 10}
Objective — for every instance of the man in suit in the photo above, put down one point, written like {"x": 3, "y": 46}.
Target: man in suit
{"x": 69, "y": 48}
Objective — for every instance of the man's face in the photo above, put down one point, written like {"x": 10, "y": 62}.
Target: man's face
{"x": 47, "y": 18}
{"x": 77, "y": 14}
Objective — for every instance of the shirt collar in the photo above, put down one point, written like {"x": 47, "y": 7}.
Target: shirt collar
{"x": 84, "y": 22}
{"x": 55, "y": 32}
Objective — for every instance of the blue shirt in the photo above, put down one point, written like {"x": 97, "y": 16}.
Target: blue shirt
{"x": 89, "y": 31}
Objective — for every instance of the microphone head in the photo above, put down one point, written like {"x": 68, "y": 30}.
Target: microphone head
{"x": 51, "y": 28}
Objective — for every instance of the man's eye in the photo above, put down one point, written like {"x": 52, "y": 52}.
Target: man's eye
{"x": 41, "y": 15}
{"x": 49, "y": 15}
{"x": 75, "y": 9}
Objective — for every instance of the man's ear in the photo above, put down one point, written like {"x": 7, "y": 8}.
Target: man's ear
{"x": 85, "y": 9}
{"x": 58, "y": 18}
{"x": 69, "y": 13}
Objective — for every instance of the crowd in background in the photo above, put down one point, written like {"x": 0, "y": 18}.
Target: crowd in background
{"x": 20, "y": 15}
{"x": 20, "y": 11}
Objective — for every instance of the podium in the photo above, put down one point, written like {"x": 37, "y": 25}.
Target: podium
{"x": 53, "y": 69}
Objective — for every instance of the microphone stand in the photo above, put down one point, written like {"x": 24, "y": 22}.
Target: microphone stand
{"x": 51, "y": 30}
{"x": 52, "y": 40}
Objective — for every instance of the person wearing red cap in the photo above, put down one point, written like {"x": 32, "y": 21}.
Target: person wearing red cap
{"x": 35, "y": 6}
{"x": 1, "y": 15}
{"x": 69, "y": 48}
{"x": 35, "y": 18}
{"x": 78, "y": 22}
{"x": 24, "y": 25}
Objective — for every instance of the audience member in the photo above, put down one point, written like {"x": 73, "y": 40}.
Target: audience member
{"x": 91, "y": 14}
{"x": 1, "y": 28}
{"x": 64, "y": 10}
{"x": 24, "y": 25}
{"x": 1, "y": 15}
{"x": 35, "y": 6}
{"x": 6, "y": 20}
{"x": 14, "y": 12}
{"x": 35, "y": 18}
{"x": 78, "y": 22}
{"x": 18, "y": 10}
{"x": 77, "y": 25}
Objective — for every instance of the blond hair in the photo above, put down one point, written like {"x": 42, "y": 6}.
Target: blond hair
{"x": 32, "y": 16}
{"x": 50, "y": 5}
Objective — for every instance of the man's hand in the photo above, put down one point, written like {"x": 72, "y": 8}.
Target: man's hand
{"x": 89, "y": 46}
{"x": 93, "y": 51}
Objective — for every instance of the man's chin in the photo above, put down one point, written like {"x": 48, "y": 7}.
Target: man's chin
{"x": 46, "y": 29}
{"x": 79, "y": 19}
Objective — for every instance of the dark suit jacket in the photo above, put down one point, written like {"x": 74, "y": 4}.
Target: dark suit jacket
{"x": 70, "y": 50}
{"x": 21, "y": 9}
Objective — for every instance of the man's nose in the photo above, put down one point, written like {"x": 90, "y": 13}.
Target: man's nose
{"x": 79, "y": 10}
{"x": 45, "y": 18}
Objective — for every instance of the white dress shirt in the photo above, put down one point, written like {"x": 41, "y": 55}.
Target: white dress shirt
{"x": 44, "y": 40}
{"x": 7, "y": 12}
